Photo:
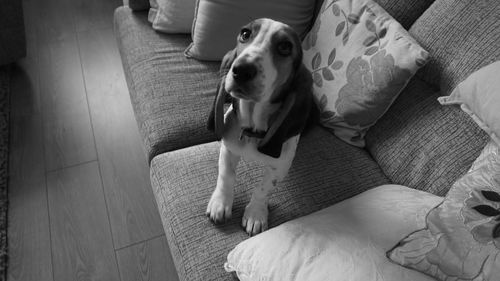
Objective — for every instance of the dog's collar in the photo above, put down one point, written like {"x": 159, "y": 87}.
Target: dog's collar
{"x": 266, "y": 135}
{"x": 250, "y": 132}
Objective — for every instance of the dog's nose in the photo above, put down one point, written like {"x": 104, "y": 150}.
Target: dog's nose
{"x": 243, "y": 72}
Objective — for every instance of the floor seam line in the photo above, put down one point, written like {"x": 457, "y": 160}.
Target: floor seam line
{"x": 139, "y": 242}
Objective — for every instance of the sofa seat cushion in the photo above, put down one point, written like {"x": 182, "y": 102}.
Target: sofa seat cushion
{"x": 171, "y": 94}
{"x": 422, "y": 144}
{"x": 325, "y": 171}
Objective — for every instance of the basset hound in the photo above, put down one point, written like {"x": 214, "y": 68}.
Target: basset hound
{"x": 270, "y": 91}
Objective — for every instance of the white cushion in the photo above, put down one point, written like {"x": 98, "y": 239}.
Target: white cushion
{"x": 172, "y": 16}
{"x": 479, "y": 96}
{"x": 346, "y": 241}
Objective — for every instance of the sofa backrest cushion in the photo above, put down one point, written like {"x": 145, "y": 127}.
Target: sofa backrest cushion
{"x": 418, "y": 142}
{"x": 422, "y": 144}
{"x": 138, "y": 5}
{"x": 461, "y": 37}
{"x": 403, "y": 11}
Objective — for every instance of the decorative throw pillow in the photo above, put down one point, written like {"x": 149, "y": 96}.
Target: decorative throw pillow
{"x": 462, "y": 238}
{"x": 346, "y": 241}
{"x": 172, "y": 16}
{"x": 479, "y": 96}
{"x": 360, "y": 59}
{"x": 218, "y": 22}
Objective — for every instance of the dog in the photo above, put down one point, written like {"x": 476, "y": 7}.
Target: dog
{"x": 270, "y": 91}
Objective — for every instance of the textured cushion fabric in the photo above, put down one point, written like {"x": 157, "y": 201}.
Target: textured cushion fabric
{"x": 171, "y": 95}
{"x": 172, "y": 16}
{"x": 405, "y": 12}
{"x": 325, "y": 171}
{"x": 359, "y": 70}
{"x": 218, "y": 22}
{"x": 346, "y": 241}
{"x": 423, "y": 145}
{"x": 462, "y": 238}
{"x": 138, "y": 5}
{"x": 461, "y": 36}
{"x": 12, "y": 36}
{"x": 479, "y": 96}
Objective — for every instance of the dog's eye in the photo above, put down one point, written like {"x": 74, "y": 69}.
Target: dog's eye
{"x": 245, "y": 34}
{"x": 285, "y": 48}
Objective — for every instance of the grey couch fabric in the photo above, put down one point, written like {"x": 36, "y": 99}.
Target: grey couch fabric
{"x": 12, "y": 36}
{"x": 417, "y": 143}
{"x": 325, "y": 171}
{"x": 461, "y": 37}
{"x": 171, "y": 94}
{"x": 422, "y": 144}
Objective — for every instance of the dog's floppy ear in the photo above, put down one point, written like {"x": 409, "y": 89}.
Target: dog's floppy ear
{"x": 293, "y": 114}
{"x": 215, "y": 118}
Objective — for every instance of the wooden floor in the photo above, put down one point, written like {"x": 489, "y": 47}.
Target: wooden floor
{"x": 81, "y": 204}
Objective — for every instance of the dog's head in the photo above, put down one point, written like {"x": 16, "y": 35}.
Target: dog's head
{"x": 266, "y": 57}
{"x": 266, "y": 66}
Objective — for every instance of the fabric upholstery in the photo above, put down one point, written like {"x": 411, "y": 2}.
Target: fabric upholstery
{"x": 325, "y": 171}
{"x": 461, "y": 240}
{"x": 138, "y": 5}
{"x": 171, "y": 95}
{"x": 405, "y": 12}
{"x": 423, "y": 145}
{"x": 461, "y": 36}
{"x": 346, "y": 241}
{"x": 359, "y": 69}
{"x": 12, "y": 34}
{"x": 479, "y": 96}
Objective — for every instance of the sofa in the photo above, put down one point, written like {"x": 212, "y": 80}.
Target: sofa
{"x": 418, "y": 143}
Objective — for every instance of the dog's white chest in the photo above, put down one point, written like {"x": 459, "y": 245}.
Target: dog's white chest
{"x": 246, "y": 147}
{"x": 255, "y": 115}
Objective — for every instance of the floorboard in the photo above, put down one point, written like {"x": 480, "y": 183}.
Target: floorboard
{"x": 82, "y": 247}
{"x": 28, "y": 229}
{"x": 29, "y": 237}
{"x": 124, "y": 168}
{"x": 147, "y": 261}
{"x": 27, "y": 146}
{"x": 26, "y": 136}
{"x": 68, "y": 136}
{"x": 81, "y": 204}
{"x": 54, "y": 21}
{"x": 94, "y": 14}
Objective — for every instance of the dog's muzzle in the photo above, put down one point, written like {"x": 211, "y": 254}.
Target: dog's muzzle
{"x": 244, "y": 72}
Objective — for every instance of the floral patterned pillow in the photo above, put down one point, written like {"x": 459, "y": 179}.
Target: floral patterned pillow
{"x": 462, "y": 238}
{"x": 360, "y": 59}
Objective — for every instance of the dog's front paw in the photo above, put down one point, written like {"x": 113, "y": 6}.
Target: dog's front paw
{"x": 220, "y": 206}
{"x": 255, "y": 218}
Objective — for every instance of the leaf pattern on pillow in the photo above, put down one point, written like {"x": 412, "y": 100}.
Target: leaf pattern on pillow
{"x": 481, "y": 212}
{"x": 371, "y": 88}
{"x": 321, "y": 73}
{"x": 352, "y": 34}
